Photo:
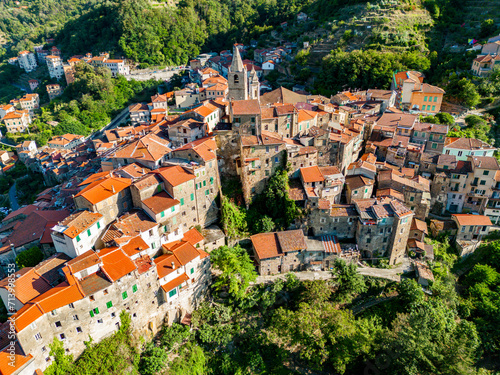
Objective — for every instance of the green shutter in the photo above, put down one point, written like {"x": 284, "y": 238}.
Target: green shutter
{"x": 172, "y": 293}
{"x": 98, "y": 225}
{"x": 173, "y": 209}
{"x": 425, "y": 98}
{"x": 192, "y": 271}
{"x": 91, "y": 313}
{"x": 88, "y": 232}
{"x": 134, "y": 288}
{"x": 182, "y": 201}
{"x": 109, "y": 304}
{"x": 96, "y": 310}
{"x": 204, "y": 182}
{"x": 77, "y": 238}
{"x": 163, "y": 214}
{"x": 211, "y": 180}
{"x": 207, "y": 192}
{"x": 192, "y": 197}
{"x": 124, "y": 295}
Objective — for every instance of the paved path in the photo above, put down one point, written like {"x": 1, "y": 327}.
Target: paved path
{"x": 390, "y": 274}
{"x": 113, "y": 124}
{"x": 14, "y": 204}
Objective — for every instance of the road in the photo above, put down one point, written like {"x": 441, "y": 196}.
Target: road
{"x": 14, "y": 204}
{"x": 390, "y": 274}
{"x": 146, "y": 74}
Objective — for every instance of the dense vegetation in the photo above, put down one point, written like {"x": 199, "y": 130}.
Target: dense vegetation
{"x": 88, "y": 104}
{"x": 326, "y": 326}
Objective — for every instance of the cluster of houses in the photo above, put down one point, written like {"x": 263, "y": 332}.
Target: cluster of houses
{"x": 131, "y": 220}
{"x": 488, "y": 58}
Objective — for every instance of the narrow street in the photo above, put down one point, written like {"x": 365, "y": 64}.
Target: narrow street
{"x": 14, "y": 204}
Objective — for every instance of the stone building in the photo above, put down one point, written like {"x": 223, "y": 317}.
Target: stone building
{"x": 339, "y": 220}
{"x": 105, "y": 194}
{"x": 470, "y": 231}
{"x": 322, "y": 183}
{"x": 260, "y": 157}
{"x": 100, "y": 285}
{"x": 149, "y": 150}
{"x": 383, "y": 228}
{"x": 358, "y": 187}
{"x": 245, "y": 116}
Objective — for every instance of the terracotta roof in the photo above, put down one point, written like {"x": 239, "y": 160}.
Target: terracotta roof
{"x": 26, "y": 210}
{"x": 79, "y": 222}
{"x": 305, "y": 115}
{"x": 28, "y": 284}
{"x": 164, "y": 264}
{"x": 83, "y": 261}
{"x": 184, "y": 251}
{"x": 160, "y": 202}
{"x": 9, "y": 365}
{"x": 176, "y": 175}
{"x": 467, "y": 144}
{"x": 343, "y": 210}
{"x": 270, "y": 245}
{"x": 103, "y": 189}
{"x": 469, "y": 219}
{"x": 485, "y": 162}
{"x": 65, "y": 139}
{"x": 14, "y": 115}
{"x": 356, "y": 182}
{"x": 150, "y": 148}
{"x": 397, "y": 119}
{"x": 420, "y": 225}
{"x": 35, "y": 225}
{"x": 311, "y": 174}
{"x": 175, "y": 283}
{"x": 193, "y": 236}
{"x": 388, "y": 192}
{"x": 138, "y": 107}
{"x": 282, "y": 95}
{"x": 245, "y": 107}
{"x": 115, "y": 263}
{"x": 204, "y": 147}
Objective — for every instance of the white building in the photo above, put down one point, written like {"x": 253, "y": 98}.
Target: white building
{"x": 117, "y": 67}
{"x": 55, "y": 65}
{"x": 78, "y": 233}
{"x": 27, "y": 61}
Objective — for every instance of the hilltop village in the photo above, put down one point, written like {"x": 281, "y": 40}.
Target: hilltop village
{"x": 133, "y": 212}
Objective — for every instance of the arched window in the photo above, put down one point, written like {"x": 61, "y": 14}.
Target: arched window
{"x": 236, "y": 79}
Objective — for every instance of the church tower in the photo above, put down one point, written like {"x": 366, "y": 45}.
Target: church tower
{"x": 237, "y": 78}
{"x": 254, "y": 85}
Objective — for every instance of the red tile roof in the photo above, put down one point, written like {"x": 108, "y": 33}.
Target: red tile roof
{"x": 103, "y": 189}
{"x": 28, "y": 284}
{"x": 160, "y": 202}
{"x": 469, "y": 219}
{"x": 193, "y": 236}
{"x": 115, "y": 263}
{"x": 176, "y": 175}
{"x": 311, "y": 174}
{"x": 175, "y": 283}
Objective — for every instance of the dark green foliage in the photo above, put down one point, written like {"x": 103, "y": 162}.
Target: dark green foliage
{"x": 477, "y": 127}
{"x": 63, "y": 363}
{"x": 237, "y": 270}
{"x": 233, "y": 218}
{"x": 153, "y": 359}
{"x": 440, "y": 118}
{"x": 365, "y": 69}
{"x": 463, "y": 91}
{"x": 488, "y": 27}
{"x": 349, "y": 282}
{"x": 410, "y": 293}
{"x": 173, "y": 335}
{"x": 273, "y": 209}
{"x": 29, "y": 258}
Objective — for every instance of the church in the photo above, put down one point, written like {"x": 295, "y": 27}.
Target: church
{"x": 242, "y": 86}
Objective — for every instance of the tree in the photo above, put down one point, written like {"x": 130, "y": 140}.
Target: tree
{"x": 349, "y": 281}
{"x": 63, "y": 363}
{"x": 487, "y": 28}
{"x": 232, "y": 218}
{"x": 191, "y": 361}
{"x": 29, "y": 258}
{"x": 482, "y": 273}
{"x": 429, "y": 340}
{"x": 237, "y": 270}
{"x": 445, "y": 118}
{"x": 464, "y": 91}
{"x": 153, "y": 359}
{"x": 410, "y": 293}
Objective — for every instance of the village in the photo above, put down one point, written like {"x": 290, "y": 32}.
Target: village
{"x": 131, "y": 214}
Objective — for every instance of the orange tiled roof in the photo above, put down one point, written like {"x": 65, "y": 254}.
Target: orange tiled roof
{"x": 115, "y": 264}
{"x": 469, "y": 219}
{"x": 176, "y": 175}
{"x": 28, "y": 284}
{"x": 104, "y": 188}
{"x": 204, "y": 147}
{"x": 79, "y": 222}
{"x": 312, "y": 174}
{"x": 9, "y": 365}
{"x": 160, "y": 202}
{"x": 150, "y": 148}
{"x": 175, "y": 283}
{"x": 134, "y": 246}
{"x": 193, "y": 236}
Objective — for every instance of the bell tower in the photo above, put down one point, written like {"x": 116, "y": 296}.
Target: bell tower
{"x": 237, "y": 78}
{"x": 254, "y": 85}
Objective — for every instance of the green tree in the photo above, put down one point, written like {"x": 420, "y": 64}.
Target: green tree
{"x": 29, "y": 258}
{"x": 445, "y": 118}
{"x": 464, "y": 91}
{"x": 349, "y": 282}
{"x": 488, "y": 27}
{"x": 233, "y": 218}
{"x": 192, "y": 360}
{"x": 237, "y": 270}
{"x": 63, "y": 363}
{"x": 153, "y": 359}
{"x": 411, "y": 293}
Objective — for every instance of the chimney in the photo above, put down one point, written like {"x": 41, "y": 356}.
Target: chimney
{"x": 173, "y": 265}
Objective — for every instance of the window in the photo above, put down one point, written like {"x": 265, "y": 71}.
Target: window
{"x": 79, "y": 329}
{"x": 172, "y": 293}
{"x": 435, "y": 98}
{"x": 58, "y": 324}
{"x": 192, "y": 271}
{"x": 109, "y": 304}
{"x": 412, "y": 199}
{"x": 71, "y": 306}
{"x": 482, "y": 182}
{"x": 192, "y": 197}
{"x": 113, "y": 314}
{"x": 77, "y": 238}
{"x": 163, "y": 213}
{"x": 99, "y": 321}
{"x": 98, "y": 225}
{"x": 459, "y": 153}
{"x": 368, "y": 240}
{"x": 62, "y": 336}
{"x": 366, "y": 190}
{"x": 88, "y": 232}
{"x": 94, "y": 312}
{"x": 124, "y": 295}
{"x": 75, "y": 317}
{"x": 204, "y": 182}
{"x": 38, "y": 336}
{"x": 425, "y": 99}
{"x": 134, "y": 288}
{"x": 433, "y": 107}
{"x": 211, "y": 180}
{"x": 173, "y": 209}
{"x": 486, "y": 173}
{"x": 434, "y": 145}
{"x": 276, "y": 159}
{"x": 207, "y": 192}
{"x": 416, "y": 134}
{"x": 182, "y": 201}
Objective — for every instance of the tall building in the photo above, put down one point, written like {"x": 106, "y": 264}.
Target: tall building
{"x": 27, "y": 61}
{"x": 254, "y": 85}
{"x": 237, "y": 78}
